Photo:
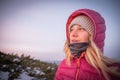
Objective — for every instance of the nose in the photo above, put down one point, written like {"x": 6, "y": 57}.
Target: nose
{"x": 74, "y": 34}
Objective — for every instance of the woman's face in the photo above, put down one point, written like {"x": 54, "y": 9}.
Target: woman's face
{"x": 78, "y": 34}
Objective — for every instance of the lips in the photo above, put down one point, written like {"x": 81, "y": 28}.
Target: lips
{"x": 74, "y": 41}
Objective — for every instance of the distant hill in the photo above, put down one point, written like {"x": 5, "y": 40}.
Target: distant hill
{"x": 14, "y": 67}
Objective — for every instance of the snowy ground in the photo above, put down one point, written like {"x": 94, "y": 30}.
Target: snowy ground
{"x": 23, "y": 76}
{"x": 13, "y": 67}
{"x": 4, "y": 75}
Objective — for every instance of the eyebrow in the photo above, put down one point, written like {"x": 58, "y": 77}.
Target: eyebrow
{"x": 76, "y": 24}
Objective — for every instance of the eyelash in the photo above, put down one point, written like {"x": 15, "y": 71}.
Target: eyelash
{"x": 81, "y": 29}
{"x": 78, "y": 29}
{"x": 71, "y": 30}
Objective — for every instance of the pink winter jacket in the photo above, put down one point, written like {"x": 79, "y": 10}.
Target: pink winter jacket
{"x": 80, "y": 69}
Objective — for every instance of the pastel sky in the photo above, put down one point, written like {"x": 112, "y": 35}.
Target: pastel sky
{"x": 37, "y": 27}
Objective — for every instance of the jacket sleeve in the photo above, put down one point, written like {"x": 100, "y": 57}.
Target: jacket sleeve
{"x": 58, "y": 75}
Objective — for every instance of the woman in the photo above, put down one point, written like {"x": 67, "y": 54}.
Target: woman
{"x": 85, "y": 31}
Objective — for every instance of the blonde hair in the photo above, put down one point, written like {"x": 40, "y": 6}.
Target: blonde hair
{"x": 95, "y": 58}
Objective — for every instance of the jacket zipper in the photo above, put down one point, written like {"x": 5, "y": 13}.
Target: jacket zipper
{"x": 78, "y": 65}
{"x": 78, "y": 69}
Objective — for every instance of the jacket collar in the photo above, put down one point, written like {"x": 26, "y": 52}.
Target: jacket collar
{"x": 78, "y": 59}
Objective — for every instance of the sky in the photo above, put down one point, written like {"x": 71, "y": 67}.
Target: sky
{"x": 37, "y": 27}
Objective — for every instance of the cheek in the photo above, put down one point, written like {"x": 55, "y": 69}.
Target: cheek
{"x": 84, "y": 37}
{"x": 70, "y": 35}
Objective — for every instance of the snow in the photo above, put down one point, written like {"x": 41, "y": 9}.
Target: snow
{"x": 38, "y": 71}
{"x": 28, "y": 68}
{"x": 12, "y": 70}
{"x": 24, "y": 72}
{"x": 16, "y": 60}
{"x": 4, "y": 75}
{"x": 24, "y": 76}
{"x": 42, "y": 73}
{"x": 52, "y": 68}
{"x": 4, "y": 66}
{"x": 48, "y": 68}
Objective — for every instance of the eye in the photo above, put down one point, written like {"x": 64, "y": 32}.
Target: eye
{"x": 81, "y": 29}
{"x": 71, "y": 29}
